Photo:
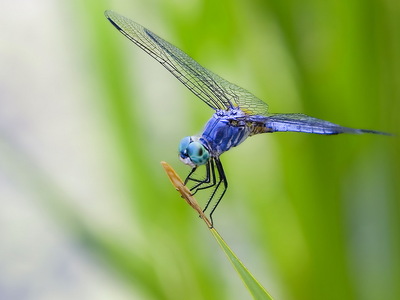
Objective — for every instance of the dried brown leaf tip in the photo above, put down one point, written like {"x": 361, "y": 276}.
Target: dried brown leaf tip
{"x": 184, "y": 191}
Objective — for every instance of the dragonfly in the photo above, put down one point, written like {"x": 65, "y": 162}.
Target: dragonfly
{"x": 238, "y": 113}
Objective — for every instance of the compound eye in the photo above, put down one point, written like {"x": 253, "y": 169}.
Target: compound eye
{"x": 183, "y": 145}
{"x": 197, "y": 153}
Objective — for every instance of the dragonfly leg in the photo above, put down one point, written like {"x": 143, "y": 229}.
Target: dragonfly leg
{"x": 214, "y": 182}
{"x": 190, "y": 174}
{"x": 210, "y": 178}
{"x": 201, "y": 181}
{"x": 222, "y": 179}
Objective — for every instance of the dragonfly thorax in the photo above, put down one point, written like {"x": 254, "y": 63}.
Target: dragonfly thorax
{"x": 192, "y": 152}
{"x": 225, "y": 129}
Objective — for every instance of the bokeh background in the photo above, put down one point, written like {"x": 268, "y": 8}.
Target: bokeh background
{"x": 86, "y": 211}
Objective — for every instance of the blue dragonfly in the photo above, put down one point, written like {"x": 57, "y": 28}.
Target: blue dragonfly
{"x": 238, "y": 113}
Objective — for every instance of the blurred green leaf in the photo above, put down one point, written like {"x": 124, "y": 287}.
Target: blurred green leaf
{"x": 255, "y": 288}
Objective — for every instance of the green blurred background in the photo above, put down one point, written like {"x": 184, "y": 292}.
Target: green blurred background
{"x": 85, "y": 118}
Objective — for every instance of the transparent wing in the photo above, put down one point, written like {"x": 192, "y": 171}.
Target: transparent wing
{"x": 215, "y": 91}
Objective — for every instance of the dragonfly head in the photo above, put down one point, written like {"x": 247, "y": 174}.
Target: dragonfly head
{"x": 192, "y": 152}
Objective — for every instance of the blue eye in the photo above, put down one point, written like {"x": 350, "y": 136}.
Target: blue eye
{"x": 192, "y": 152}
{"x": 183, "y": 145}
{"x": 197, "y": 153}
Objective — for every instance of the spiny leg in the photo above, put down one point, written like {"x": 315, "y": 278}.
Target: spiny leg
{"x": 210, "y": 178}
{"x": 214, "y": 183}
{"x": 222, "y": 178}
{"x": 190, "y": 174}
{"x": 201, "y": 181}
